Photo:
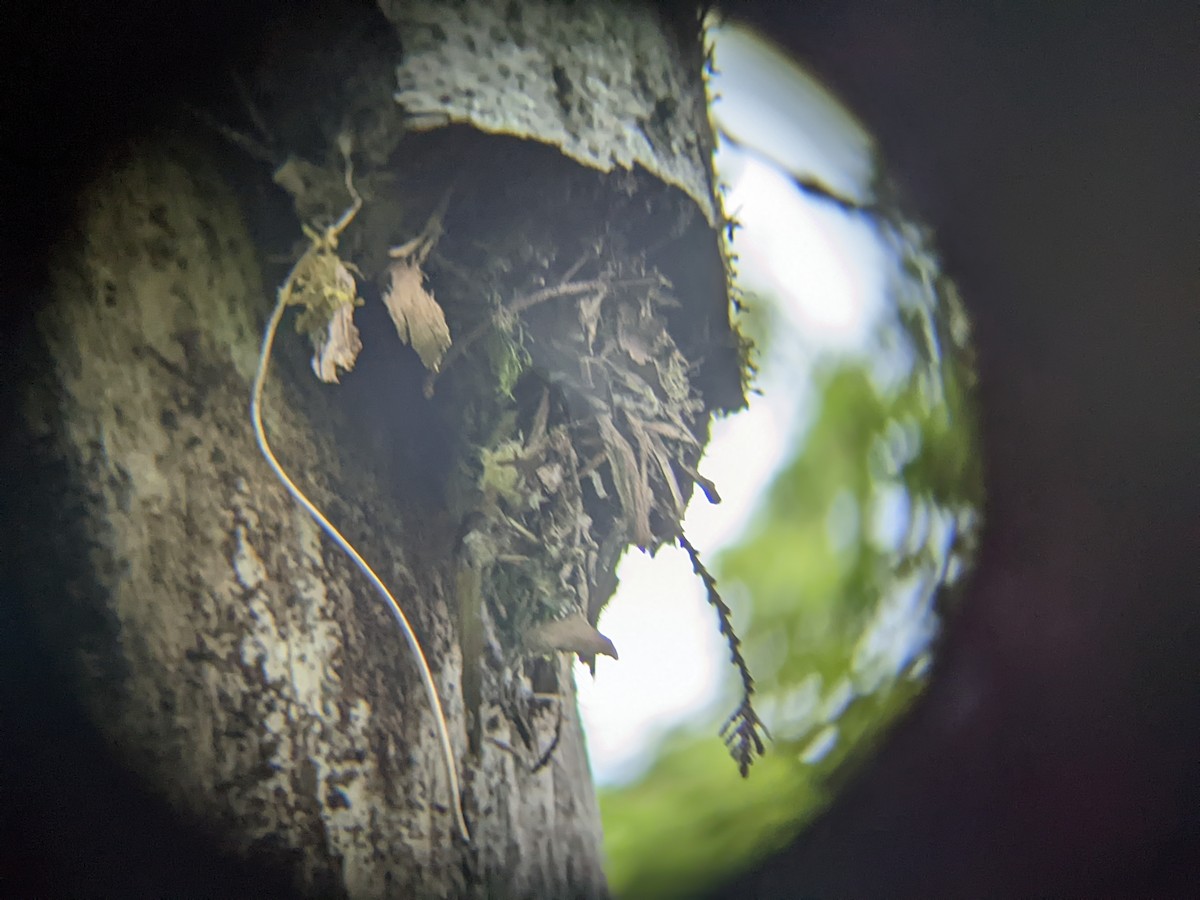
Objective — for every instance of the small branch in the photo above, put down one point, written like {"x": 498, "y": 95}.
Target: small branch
{"x": 706, "y": 485}
{"x": 814, "y": 187}
{"x": 524, "y": 302}
{"x": 242, "y": 141}
{"x": 809, "y": 184}
{"x": 504, "y": 745}
{"x": 542, "y": 760}
{"x": 741, "y": 729}
{"x": 339, "y": 226}
{"x": 252, "y": 109}
{"x": 576, "y": 266}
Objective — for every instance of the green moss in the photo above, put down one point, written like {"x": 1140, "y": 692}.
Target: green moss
{"x": 507, "y": 359}
{"x": 500, "y": 479}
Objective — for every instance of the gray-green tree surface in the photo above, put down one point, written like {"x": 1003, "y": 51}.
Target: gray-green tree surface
{"x": 552, "y": 165}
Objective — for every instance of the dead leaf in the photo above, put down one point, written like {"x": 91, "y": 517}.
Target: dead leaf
{"x": 666, "y": 429}
{"x": 634, "y": 336}
{"x": 295, "y": 176}
{"x": 337, "y": 346}
{"x": 630, "y": 482}
{"x": 656, "y": 450}
{"x": 418, "y": 318}
{"x": 710, "y": 489}
{"x": 551, "y": 476}
{"x": 589, "y": 317}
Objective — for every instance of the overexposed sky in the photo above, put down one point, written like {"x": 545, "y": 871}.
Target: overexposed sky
{"x": 824, "y": 269}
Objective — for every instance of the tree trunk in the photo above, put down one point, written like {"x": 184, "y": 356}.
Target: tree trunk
{"x": 227, "y": 650}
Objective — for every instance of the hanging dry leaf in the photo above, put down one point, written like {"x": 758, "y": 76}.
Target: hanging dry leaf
{"x": 418, "y": 318}
{"x": 632, "y": 489}
{"x": 321, "y": 283}
{"x": 337, "y": 346}
{"x": 650, "y": 445}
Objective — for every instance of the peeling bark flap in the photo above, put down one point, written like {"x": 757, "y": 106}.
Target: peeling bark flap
{"x": 609, "y": 84}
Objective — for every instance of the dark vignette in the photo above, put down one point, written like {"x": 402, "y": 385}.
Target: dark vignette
{"x": 1054, "y": 148}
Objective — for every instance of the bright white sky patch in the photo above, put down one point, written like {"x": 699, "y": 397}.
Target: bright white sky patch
{"x": 823, "y": 268}
{"x": 825, "y": 263}
{"x": 670, "y": 649}
{"x": 768, "y": 102}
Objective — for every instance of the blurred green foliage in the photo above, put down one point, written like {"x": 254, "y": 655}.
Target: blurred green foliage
{"x": 838, "y": 588}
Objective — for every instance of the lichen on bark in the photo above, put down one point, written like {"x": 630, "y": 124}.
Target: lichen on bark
{"x": 610, "y": 84}
{"x": 243, "y": 672}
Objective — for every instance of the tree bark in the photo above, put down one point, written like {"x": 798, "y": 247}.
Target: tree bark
{"x": 227, "y": 651}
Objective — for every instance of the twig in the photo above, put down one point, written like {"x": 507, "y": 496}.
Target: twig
{"x": 336, "y": 229}
{"x": 252, "y": 110}
{"x": 260, "y": 377}
{"x": 524, "y": 302}
{"x": 706, "y": 485}
{"x": 740, "y": 730}
{"x": 542, "y": 760}
{"x": 241, "y": 141}
{"x": 811, "y": 185}
{"x": 505, "y": 746}
{"x": 575, "y": 267}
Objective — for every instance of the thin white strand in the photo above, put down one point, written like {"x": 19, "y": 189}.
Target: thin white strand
{"x": 348, "y": 548}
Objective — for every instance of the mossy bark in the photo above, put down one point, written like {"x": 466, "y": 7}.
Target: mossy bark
{"x": 226, "y": 650}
